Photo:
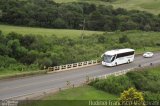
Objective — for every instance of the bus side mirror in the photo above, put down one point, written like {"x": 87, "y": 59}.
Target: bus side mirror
{"x": 102, "y": 55}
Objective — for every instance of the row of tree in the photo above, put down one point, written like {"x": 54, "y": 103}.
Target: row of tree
{"x": 47, "y": 13}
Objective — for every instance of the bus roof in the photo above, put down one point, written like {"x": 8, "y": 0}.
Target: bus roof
{"x": 117, "y": 51}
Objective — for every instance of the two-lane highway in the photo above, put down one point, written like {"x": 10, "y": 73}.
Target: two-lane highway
{"x": 29, "y": 85}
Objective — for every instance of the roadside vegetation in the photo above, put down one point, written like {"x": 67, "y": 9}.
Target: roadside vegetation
{"x": 144, "y": 80}
{"x": 24, "y": 53}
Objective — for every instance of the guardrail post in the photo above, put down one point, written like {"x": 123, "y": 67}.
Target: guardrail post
{"x": 92, "y": 62}
{"x": 68, "y": 83}
{"x": 44, "y": 67}
{"x": 60, "y": 68}
{"x": 151, "y": 64}
{"x": 60, "y": 89}
{"x": 71, "y": 66}
{"x": 44, "y": 93}
{"x": 105, "y": 76}
{"x": 139, "y": 65}
{"x": 87, "y": 79}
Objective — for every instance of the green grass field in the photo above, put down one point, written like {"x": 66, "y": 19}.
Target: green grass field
{"x": 44, "y": 31}
{"x": 152, "y": 6}
{"x": 82, "y": 93}
{"x": 133, "y": 35}
{"x": 73, "y": 97}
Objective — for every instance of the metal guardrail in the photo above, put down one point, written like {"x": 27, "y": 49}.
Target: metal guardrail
{"x": 115, "y": 74}
{"x": 73, "y": 66}
{"x": 125, "y": 71}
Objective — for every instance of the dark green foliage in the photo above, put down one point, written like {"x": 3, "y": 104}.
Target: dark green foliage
{"x": 145, "y": 80}
{"x": 149, "y": 96}
{"x": 6, "y": 61}
{"x": 47, "y": 13}
{"x": 109, "y": 0}
{"x": 120, "y": 84}
{"x": 44, "y": 62}
{"x": 138, "y": 79}
{"x": 27, "y": 40}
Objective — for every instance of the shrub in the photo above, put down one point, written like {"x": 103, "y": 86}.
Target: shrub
{"x": 153, "y": 86}
{"x": 113, "y": 84}
{"x": 5, "y": 61}
{"x": 131, "y": 97}
{"x": 44, "y": 62}
{"x": 149, "y": 96}
{"x": 138, "y": 79}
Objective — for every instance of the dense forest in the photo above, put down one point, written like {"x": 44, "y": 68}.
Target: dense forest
{"x": 47, "y": 13}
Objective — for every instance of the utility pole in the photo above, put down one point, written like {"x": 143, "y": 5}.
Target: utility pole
{"x": 84, "y": 22}
{"x": 0, "y": 13}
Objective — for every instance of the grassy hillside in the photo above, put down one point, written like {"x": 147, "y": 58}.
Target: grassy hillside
{"x": 152, "y": 6}
{"x": 44, "y": 31}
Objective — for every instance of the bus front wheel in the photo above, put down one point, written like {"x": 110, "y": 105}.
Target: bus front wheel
{"x": 116, "y": 64}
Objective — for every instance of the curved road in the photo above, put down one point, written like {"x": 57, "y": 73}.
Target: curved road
{"x": 29, "y": 85}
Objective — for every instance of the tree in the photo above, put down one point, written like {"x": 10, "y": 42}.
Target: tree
{"x": 96, "y": 21}
{"x": 131, "y": 97}
{"x": 30, "y": 57}
{"x": 129, "y": 25}
{"x": 27, "y": 40}
{"x": 44, "y": 62}
{"x": 60, "y": 23}
{"x": 147, "y": 27}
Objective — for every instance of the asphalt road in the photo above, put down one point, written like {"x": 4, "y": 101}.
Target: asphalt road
{"x": 37, "y": 84}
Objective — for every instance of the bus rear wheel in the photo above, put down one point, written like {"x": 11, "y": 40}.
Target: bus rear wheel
{"x": 129, "y": 61}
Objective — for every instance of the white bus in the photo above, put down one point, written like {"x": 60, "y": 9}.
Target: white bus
{"x": 118, "y": 56}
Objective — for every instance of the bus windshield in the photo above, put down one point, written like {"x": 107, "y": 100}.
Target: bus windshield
{"x": 109, "y": 58}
